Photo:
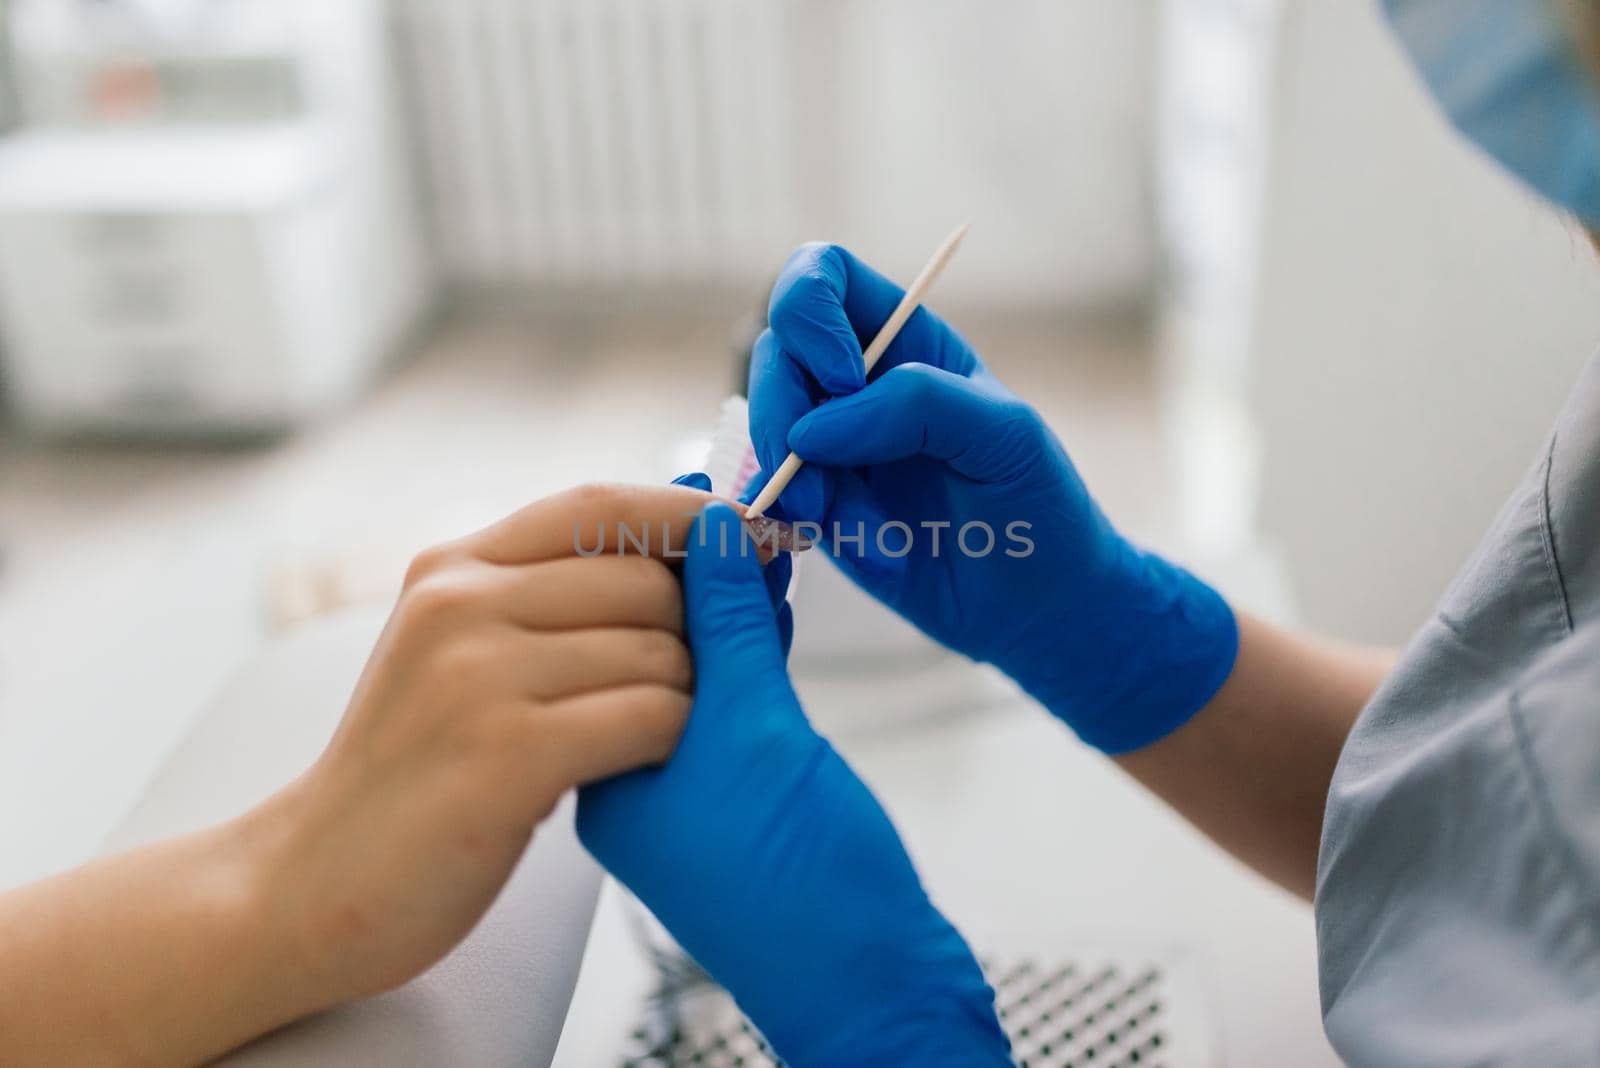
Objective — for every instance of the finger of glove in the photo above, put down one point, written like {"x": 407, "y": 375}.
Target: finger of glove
{"x": 828, "y": 305}
{"x": 780, "y": 394}
{"x": 694, "y": 480}
{"x": 916, "y": 410}
{"x": 785, "y": 628}
{"x": 777, "y": 576}
{"x": 778, "y": 572}
{"x": 733, "y": 632}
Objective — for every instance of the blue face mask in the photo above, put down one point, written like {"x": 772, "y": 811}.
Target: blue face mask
{"x": 1509, "y": 75}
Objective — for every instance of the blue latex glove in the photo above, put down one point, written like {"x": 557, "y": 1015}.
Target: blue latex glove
{"x": 774, "y": 866}
{"x": 776, "y": 574}
{"x": 1119, "y": 643}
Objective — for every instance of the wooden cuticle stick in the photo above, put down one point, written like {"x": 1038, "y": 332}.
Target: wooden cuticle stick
{"x": 873, "y": 353}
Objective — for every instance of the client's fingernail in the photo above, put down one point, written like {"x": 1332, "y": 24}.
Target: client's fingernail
{"x": 776, "y": 535}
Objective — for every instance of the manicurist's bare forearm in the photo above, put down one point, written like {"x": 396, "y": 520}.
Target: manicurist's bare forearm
{"x": 166, "y": 955}
{"x": 1252, "y": 769}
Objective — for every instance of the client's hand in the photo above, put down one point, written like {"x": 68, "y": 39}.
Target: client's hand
{"x": 766, "y": 857}
{"x": 515, "y": 666}
{"x": 512, "y": 669}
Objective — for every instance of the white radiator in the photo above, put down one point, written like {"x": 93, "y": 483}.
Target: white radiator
{"x": 603, "y": 141}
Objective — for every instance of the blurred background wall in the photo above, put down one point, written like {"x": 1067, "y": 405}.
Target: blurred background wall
{"x": 1419, "y": 319}
{"x": 1351, "y": 298}
{"x": 693, "y": 142}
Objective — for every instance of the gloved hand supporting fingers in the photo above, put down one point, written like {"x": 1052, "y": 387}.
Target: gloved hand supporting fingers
{"x": 757, "y": 843}
{"x": 777, "y": 574}
{"x": 785, "y": 619}
{"x": 732, "y": 630}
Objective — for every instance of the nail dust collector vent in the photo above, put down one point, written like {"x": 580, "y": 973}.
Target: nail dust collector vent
{"x": 1095, "y": 1011}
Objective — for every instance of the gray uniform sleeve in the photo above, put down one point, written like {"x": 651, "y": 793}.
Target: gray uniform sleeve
{"x": 1458, "y": 890}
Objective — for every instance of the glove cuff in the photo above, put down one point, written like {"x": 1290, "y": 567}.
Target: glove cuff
{"x": 1169, "y": 643}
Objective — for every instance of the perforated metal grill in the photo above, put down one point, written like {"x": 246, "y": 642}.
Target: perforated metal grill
{"x": 1071, "y": 1016}
{"x": 1095, "y": 1011}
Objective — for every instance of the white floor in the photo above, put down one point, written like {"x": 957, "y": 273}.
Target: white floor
{"x": 135, "y": 581}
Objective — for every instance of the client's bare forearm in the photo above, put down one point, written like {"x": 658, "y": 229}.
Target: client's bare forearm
{"x": 166, "y": 955}
{"x": 1252, "y": 769}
